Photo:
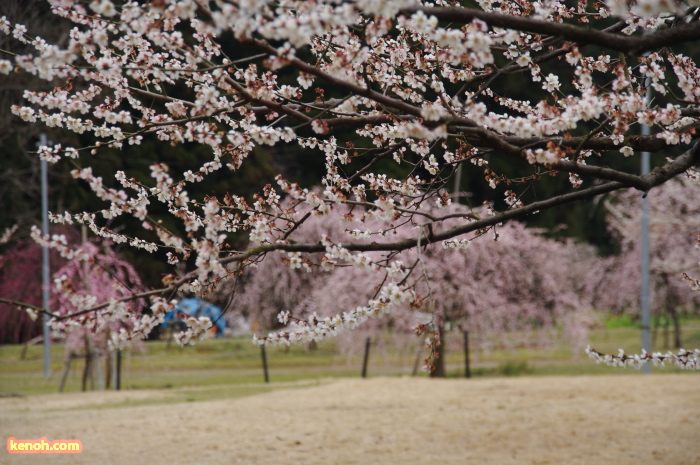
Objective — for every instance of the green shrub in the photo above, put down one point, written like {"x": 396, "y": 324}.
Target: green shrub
{"x": 511, "y": 368}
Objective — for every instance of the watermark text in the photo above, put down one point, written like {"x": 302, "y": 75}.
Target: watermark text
{"x": 44, "y": 446}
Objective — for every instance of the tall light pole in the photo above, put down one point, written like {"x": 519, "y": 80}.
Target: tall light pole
{"x": 646, "y": 259}
{"x": 45, "y": 275}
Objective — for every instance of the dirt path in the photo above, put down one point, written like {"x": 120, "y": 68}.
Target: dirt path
{"x": 569, "y": 420}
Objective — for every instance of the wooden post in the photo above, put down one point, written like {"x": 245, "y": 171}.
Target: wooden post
{"x": 264, "y": 361}
{"x": 118, "y": 378}
{"x": 419, "y": 354}
{"x": 98, "y": 370}
{"x": 467, "y": 371}
{"x": 87, "y": 371}
{"x": 368, "y": 343}
{"x": 109, "y": 369}
{"x": 65, "y": 373}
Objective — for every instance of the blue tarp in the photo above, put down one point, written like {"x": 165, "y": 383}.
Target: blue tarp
{"x": 197, "y": 308}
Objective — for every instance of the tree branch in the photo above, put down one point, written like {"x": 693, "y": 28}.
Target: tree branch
{"x": 638, "y": 44}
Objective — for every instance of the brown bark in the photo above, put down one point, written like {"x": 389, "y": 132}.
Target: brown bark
{"x": 673, "y": 312}
{"x": 439, "y": 360}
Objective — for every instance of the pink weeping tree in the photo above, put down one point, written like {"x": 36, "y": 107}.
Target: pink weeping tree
{"x": 20, "y": 271}
{"x": 509, "y": 285}
{"x": 674, "y": 218}
{"x": 509, "y": 292}
{"x": 283, "y": 281}
{"x": 20, "y": 281}
{"x": 674, "y": 215}
{"x": 104, "y": 276}
{"x": 101, "y": 275}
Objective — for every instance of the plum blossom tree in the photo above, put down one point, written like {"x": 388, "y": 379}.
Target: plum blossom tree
{"x": 675, "y": 222}
{"x": 20, "y": 269}
{"x": 285, "y": 281}
{"x": 395, "y": 98}
{"x": 516, "y": 286}
{"x": 103, "y": 276}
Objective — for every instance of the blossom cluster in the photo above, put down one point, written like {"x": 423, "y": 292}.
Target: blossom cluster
{"x": 315, "y": 328}
{"x": 140, "y": 326}
{"x": 197, "y": 328}
{"x": 7, "y": 234}
{"x": 684, "y": 359}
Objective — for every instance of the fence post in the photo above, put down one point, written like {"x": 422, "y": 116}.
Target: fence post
{"x": 467, "y": 371}
{"x": 65, "y": 373}
{"x": 264, "y": 361}
{"x": 368, "y": 342}
{"x": 98, "y": 369}
{"x": 118, "y": 378}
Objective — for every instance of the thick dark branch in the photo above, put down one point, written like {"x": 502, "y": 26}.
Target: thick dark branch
{"x": 657, "y": 177}
{"x": 515, "y": 147}
{"x": 172, "y": 288}
{"x": 449, "y": 234}
{"x": 599, "y": 172}
{"x": 639, "y": 143}
{"x": 583, "y": 35}
{"x": 643, "y": 183}
{"x": 354, "y": 121}
{"x": 673, "y": 168}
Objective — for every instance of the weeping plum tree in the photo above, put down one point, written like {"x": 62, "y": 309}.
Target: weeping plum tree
{"x": 674, "y": 224}
{"x": 102, "y": 276}
{"x": 20, "y": 270}
{"x": 284, "y": 281}
{"x": 515, "y": 286}
{"x": 395, "y": 99}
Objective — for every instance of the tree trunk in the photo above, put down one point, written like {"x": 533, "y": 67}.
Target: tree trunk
{"x": 88, "y": 364}
{"x": 673, "y": 311}
{"x": 108, "y": 370}
{"x": 439, "y": 361}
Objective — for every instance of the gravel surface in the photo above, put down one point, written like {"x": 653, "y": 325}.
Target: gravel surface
{"x": 615, "y": 419}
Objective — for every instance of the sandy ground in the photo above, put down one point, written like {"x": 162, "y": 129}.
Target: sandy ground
{"x": 569, "y": 420}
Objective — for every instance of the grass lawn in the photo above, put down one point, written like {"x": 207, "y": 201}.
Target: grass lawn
{"x": 231, "y": 367}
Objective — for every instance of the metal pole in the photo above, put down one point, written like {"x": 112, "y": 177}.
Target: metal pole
{"x": 646, "y": 259}
{"x": 45, "y": 278}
